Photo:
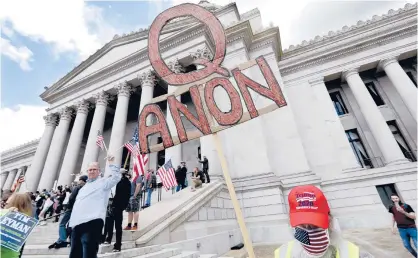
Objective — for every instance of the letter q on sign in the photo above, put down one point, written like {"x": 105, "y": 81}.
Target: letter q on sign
{"x": 213, "y": 25}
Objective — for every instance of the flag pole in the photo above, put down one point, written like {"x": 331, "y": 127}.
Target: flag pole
{"x": 240, "y": 218}
{"x": 126, "y": 160}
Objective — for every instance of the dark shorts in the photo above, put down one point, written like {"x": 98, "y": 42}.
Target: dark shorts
{"x": 133, "y": 205}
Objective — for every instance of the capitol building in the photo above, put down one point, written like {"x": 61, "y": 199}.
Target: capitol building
{"x": 350, "y": 126}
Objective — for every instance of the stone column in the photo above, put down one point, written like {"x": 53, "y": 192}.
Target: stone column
{"x": 91, "y": 153}
{"x": 174, "y": 153}
{"x": 73, "y": 149}
{"x": 402, "y": 83}
{"x": 9, "y": 181}
{"x": 207, "y": 147}
{"x": 33, "y": 175}
{"x": 49, "y": 174}
{"x": 3, "y": 179}
{"x": 147, "y": 85}
{"x": 377, "y": 124}
{"x": 119, "y": 122}
{"x": 333, "y": 123}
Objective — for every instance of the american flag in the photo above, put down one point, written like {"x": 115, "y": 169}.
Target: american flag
{"x": 100, "y": 140}
{"x": 315, "y": 241}
{"x": 139, "y": 160}
{"x": 167, "y": 175}
{"x": 21, "y": 179}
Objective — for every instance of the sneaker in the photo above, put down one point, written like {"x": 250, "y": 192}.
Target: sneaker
{"x": 53, "y": 245}
{"x": 115, "y": 250}
{"x": 134, "y": 228}
{"x": 127, "y": 228}
{"x": 61, "y": 245}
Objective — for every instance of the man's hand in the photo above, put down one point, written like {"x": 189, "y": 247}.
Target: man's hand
{"x": 393, "y": 231}
{"x": 110, "y": 158}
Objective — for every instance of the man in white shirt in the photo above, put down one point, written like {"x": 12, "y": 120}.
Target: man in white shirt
{"x": 89, "y": 210}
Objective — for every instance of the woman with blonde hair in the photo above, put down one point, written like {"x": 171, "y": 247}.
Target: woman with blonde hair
{"x": 17, "y": 202}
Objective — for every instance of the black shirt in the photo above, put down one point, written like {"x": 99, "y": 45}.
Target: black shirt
{"x": 402, "y": 221}
{"x": 200, "y": 175}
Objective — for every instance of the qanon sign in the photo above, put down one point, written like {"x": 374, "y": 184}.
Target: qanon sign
{"x": 201, "y": 84}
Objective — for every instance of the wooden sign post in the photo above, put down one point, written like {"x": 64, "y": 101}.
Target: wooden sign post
{"x": 232, "y": 194}
{"x": 201, "y": 84}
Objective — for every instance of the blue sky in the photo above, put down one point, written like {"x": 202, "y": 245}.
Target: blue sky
{"x": 44, "y": 67}
{"x": 46, "y": 39}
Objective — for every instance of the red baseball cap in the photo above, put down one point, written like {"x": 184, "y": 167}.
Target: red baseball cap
{"x": 308, "y": 205}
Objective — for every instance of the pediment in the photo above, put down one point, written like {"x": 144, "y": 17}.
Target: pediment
{"x": 111, "y": 53}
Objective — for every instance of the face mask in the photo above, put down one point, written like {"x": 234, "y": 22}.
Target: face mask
{"x": 314, "y": 241}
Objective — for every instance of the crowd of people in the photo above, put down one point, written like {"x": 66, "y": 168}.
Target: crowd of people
{"x": 94, "y": 206}
{"x": 90, "y": 209}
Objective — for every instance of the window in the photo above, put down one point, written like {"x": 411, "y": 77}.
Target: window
{"x": 401, "y": 140}
{"x": 385, "y": 191}
{"x": 375, "y": 95}
{"x": 338, "y": 102}
{"x": 358, "y": 148}
{"x": 411, "y": 76}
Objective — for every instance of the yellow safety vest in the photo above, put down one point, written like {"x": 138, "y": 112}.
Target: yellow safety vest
{"x": 348, "y": 250}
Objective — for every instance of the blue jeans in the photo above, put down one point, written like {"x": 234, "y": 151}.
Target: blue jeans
{"x": 63, "y": 228}
{"x": 406, "y": 235}
{"x": 85, "y": 239}
{"x": 149, "y": 193}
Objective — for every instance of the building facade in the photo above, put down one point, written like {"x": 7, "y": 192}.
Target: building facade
{"x": 350, "y": 126}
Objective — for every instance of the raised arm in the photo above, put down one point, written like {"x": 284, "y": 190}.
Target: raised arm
{"x": 115, "y": 177}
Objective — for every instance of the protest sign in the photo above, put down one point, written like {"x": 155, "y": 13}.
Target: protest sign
{"x": 201, "y": 84}
{"x": 15, "y": 229}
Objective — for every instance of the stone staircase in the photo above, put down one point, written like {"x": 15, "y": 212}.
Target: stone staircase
{"x": 151, "y": 240}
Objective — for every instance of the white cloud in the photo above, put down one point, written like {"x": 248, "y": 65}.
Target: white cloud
{"x": 20, "y": 125}
{"x": 62, "y": 24}
{"x": 21, "y": 55}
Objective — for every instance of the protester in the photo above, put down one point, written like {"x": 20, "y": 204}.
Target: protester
{"x": 133, "y": 204}
{"x": 313, "y": 230}
{"x": 404, "y": 218}
{"x": 181, "y": 174}
{"x": 159, "y": 186}
{"x": 205, "y": 167}
{"x": 89, "y": 210}
{"x": 47, "y": 207}
{"x": 67, "y": 197}
{"x": 18, "y": 202}
{"x": 149, "y": 185}
{"x": 115, "y": 212}
{"x": 62, "y": 230}
{"x": 197, "y": 179}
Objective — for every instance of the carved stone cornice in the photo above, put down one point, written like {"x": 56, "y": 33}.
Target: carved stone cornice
{"x": 66, "y": 114}
{"x": 147, "y": 78}
{"x": 316, "y": 81}
{"x": 290, "y": 65}
{"x": 346, "y": 29}
{"x": 102, "y": 98}
{"x": 124, "y": 89}
{"x": 82, "y": 107}
{"x": 175, "y": 66}
{"x": 50, "y": 120}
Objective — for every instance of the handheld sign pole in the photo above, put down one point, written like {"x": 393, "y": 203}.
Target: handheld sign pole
{"x": 126, "y": 160}
{"x": 240, "y": 218}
